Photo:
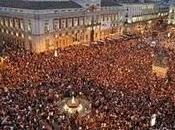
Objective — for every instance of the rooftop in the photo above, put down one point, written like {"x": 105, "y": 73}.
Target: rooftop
{"x": 109, "y": 3}
{"x": 38, "y": 5}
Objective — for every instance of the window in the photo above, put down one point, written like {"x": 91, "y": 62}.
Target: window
{"x": 96, "y": 19}
{"x": 56, "y": 11}
{"x": 1, "y": 21}
{"x": 81, "y": 21}
{"x": 69, "y": 22}
{"x": 46, "y": 26}
{"x": 11, "y": 22}
{"x": 56, "y": 24}
{"x": 21, "y": 24}
{"x": 63, "y": 23}
{"x": 106, "y": 17}
{"x": 29, "y": 26}
{"x": 17, "y": 23}
{"x": 6, "y": 22}
{"x": 88, "y": 20}
{"x": 75, "y": 21}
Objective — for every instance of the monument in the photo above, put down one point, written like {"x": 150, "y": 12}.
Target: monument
{"x": 72, "y": 105}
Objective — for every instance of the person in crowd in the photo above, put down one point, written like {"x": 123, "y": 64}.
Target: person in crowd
{"x": 114, "y": 76}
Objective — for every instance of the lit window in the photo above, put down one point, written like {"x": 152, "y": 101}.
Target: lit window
{"x": 69, "y": 22}
{"x": 1, "y": 21}
{"x": 21, "y": 25}
{"x": 17, "y": 23}
{"x": 6, "y": 22}
{"x": 75, "y": 21}
{"x": 81, "y": 21}
{"x": 88, "y": 20}
{"x": 11, "y": 22}
{"x": 29, "y": 26}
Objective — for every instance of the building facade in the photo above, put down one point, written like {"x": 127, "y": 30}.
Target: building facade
{"x": 41, "y": 25}
{"x": 141, "y": 17}
{"x": 171, "y": 18}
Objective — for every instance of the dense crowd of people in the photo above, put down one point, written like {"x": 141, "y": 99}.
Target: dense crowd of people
{"x": 115, "y": 76}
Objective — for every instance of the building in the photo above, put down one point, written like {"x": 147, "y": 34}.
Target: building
{"x": 171, "y": 18}
{"x": 160, "y": 64}
{"x": 41, "y": 25}
{"x": 141, "y": 17}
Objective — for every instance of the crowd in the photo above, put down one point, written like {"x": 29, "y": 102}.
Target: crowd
{"x": 115, "y": 76}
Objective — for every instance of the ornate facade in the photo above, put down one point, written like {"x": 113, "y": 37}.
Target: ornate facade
{"x": 41, "y": 25}
{"x": 142, "y": 17}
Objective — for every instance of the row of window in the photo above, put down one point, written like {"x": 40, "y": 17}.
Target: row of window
{"x": 58, "y": 23}
{"x": 11, "y": 22}
{"x": 78, "y": 21}
{"x": 142, "y": 18}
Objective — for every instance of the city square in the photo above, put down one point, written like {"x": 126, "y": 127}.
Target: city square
{"x": 87, "y": 65}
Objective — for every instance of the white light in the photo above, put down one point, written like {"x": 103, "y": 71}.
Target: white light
{"x": 73, "y": 100}
{"x": 129, "y": 21}
{"x": 153, "y": 120}
{"x": 169, "y": 34}
{"x": 22, "y": 35}
{"x": 56, "y": 53}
